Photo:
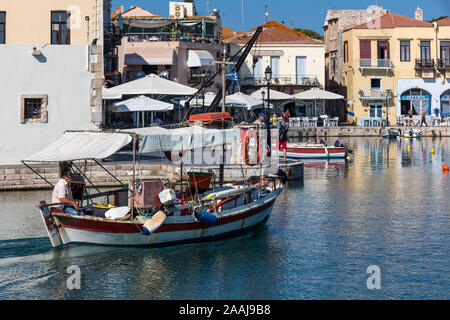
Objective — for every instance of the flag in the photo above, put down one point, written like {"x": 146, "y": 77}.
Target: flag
{"x": 232, "y": 76}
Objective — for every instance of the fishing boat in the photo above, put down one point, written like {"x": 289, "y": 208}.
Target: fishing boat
{"x": 152, "y": 212}
{"x": 413, "y": 133}
{"x": 311, "y": 150}
{"x": 390, "y": 133}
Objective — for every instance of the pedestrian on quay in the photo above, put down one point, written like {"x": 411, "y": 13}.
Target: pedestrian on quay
{"x": 283, "y": 129}
{"x": 422, "y": 117}
{"x": 410, "y": 116}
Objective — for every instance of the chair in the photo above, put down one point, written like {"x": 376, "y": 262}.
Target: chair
{"x": 334, "y": 121}
{"x": 305, "y": 121}
{"x": 313, "y": 122}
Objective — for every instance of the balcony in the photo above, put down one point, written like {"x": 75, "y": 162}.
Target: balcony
{"x": 282, "y": 80}
{"x": 374, "y": 94}
{"x": 424, "y": 64}
{"x": 375, "y": 64}
{"x": 444, "y": 64}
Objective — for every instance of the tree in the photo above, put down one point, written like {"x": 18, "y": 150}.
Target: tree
{"x": 310, "y": 33}
{"x": 437, "y": 19}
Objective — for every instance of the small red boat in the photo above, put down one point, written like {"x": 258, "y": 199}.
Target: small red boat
{"x": 210, "y": 119}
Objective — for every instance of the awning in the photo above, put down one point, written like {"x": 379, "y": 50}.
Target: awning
{"x": 199, "y": 58}
{"x": 147, "y": 24}
{"x": 141, "y": 103}
{"x": 82, "y": 145}
{"x": 159, "y": 57}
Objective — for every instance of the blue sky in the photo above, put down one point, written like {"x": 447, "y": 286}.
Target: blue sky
{"x": 308, "y": 14}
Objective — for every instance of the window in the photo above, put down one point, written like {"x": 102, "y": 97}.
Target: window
{"x": 33, "y": 108}
{"x": 445, "y": 53}
{"x": 383, "y": 50}
{"x": 405, "y": 51}
{"x": 60, "y": 27}
{"x": 2, "y": 27}
{"x": 425, "y": 54}
{"x": 375, "y": 84}
{"x": 345, "y": 51}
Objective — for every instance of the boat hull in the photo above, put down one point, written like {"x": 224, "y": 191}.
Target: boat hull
{"x": 175, "y": 230}
{"x": 314, "y": 152}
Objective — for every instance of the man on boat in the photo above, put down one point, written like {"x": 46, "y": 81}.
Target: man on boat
{"x": 63, "y": 194}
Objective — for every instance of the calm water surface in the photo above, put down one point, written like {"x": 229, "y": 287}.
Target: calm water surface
{"x": 389, "y": 207}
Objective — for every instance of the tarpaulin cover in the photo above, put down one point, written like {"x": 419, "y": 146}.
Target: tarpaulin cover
{"x": 82, "y": 145}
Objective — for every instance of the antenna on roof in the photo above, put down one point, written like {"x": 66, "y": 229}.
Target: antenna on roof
{"x": 266, "y": 14}
{"x": 242, "y": 9}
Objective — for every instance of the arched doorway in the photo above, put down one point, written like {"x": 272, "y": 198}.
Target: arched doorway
{"x": 415, "y": 99}
{"x": 445, "y": 104}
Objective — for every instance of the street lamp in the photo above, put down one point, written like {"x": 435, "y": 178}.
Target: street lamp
{"x": 268, "y": 76}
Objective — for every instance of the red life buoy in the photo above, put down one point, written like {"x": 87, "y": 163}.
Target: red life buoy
{"x": 245, "y": 148}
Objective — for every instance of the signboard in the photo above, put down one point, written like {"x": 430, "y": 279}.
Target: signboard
{"x": 415, "y": 97}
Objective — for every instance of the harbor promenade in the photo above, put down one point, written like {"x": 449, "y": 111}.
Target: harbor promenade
{"x": 354, "y": 131}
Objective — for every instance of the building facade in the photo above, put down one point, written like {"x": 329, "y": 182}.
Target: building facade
{"x": 296, "y": 60}
{"x": 393, "y": 64}
{"x": 181, "y": 47}
{"x": 51, "y": 58}
{"x": 335, "y": 23}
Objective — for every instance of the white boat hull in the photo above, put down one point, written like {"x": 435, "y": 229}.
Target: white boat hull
{"x": 175, "y": 229}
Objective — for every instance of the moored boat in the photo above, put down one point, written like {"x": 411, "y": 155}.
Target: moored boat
{"x": 390, "y": 133}
{"x": 413, "y": 133}
{"x": 314, "y": 151}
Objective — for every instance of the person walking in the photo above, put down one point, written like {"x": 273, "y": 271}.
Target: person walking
{"x": 283, "y": 129}
{"x": 422, "y": 117}
{"x": 410, "y": 116}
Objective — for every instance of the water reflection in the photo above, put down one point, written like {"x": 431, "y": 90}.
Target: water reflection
{"x": 387, "y": 206}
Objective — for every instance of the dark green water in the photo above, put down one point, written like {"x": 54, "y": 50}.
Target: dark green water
{"x": 388, "y": 207}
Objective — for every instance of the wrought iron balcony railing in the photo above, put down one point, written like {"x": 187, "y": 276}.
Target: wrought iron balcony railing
{"x": 374, "y": 94}
{"x": 424, "y": 64}
{"x": 444, "y": 64}
{"x": 365, "y": 63}
{"x": 283, "y": 79}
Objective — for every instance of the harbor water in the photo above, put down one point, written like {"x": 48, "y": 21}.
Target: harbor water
{"x": 387, "y": 207}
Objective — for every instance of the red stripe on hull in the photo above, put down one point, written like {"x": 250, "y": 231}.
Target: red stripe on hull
{"x": 69, "y": 221}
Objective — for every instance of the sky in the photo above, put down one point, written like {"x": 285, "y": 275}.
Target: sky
{"x": 306, "y": 14}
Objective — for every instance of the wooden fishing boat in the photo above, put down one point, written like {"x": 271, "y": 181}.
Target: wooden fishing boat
{"x": 148, "y": 212}
{"x": 313, "y": 151}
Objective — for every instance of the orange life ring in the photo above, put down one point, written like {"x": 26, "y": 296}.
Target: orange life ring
{"x": 245, "y": 148}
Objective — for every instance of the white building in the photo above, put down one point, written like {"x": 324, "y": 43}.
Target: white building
{"x": 51, "y": 62}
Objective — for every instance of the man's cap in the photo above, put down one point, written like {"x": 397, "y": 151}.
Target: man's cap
{"x": 261, "y": 115}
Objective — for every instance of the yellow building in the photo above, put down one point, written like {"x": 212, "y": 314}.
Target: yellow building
{"x": 393, "y": 64}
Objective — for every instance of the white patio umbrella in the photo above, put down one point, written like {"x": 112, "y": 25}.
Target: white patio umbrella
{"x": 274, "y": 95}
{"x": 317, "y": 94}
{"x": 243, "y": 99}
{"x": 149, "y": 85}
{"x": 141, "y": 104}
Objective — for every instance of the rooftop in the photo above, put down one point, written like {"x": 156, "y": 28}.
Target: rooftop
{"x": 444, "y": 22}
{"x": 393, "y": 20}
{"x": 274, "y": 33}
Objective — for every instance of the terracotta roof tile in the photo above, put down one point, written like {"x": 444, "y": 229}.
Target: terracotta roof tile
{"x": 275, "y": 33}
{"x": 444, "y": 22}
{"x": 393, "y": 20}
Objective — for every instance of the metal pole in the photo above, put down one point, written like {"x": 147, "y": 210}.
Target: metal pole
{"x": 223, "y": 77}
{"x": 134, "y": 176}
